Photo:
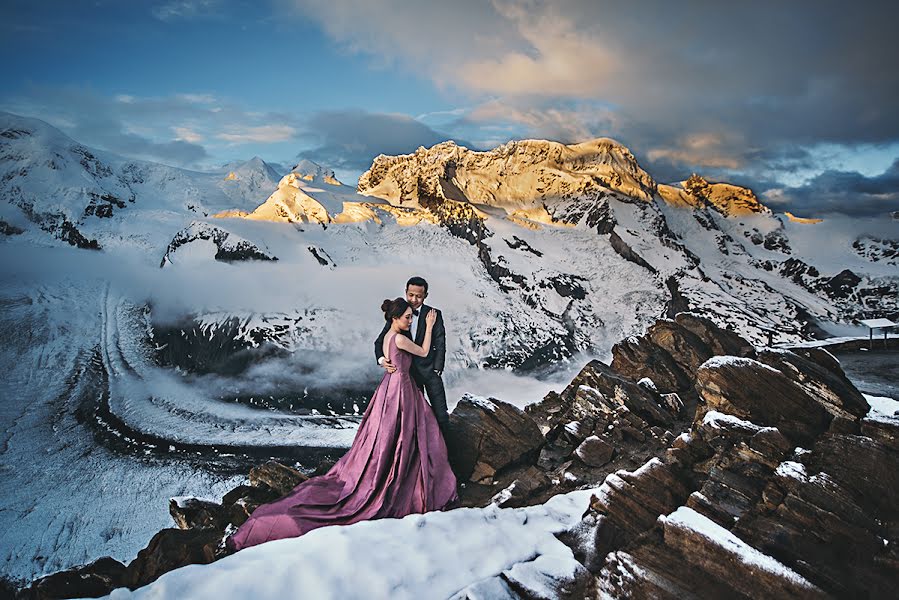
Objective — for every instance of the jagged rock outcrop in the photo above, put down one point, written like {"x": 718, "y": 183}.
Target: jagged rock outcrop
{"x": 821, "y": 378}
{"x": 671, "y": 351}
{"x": 89, "y": 581}
{"x": 276, "y": 477}
{"x": 487, "y": 436}
{"x": 170, "y": 549}
{"x": 728, "y": 199}
{"x": 527, "y": 178}
{"x": 772, "y": 493}
{"x": 601, "y": 422}
{"x": 756, "y": 392}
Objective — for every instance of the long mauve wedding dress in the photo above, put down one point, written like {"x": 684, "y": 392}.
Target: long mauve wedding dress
{"x": 396, "y": 466}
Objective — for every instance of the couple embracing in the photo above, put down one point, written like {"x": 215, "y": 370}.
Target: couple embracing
{"x": 398, "y": 462}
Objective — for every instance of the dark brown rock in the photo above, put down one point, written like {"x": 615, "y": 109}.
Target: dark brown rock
{"x": 865, "y": 467}
{"x": 638, "y": 357}
{"x": 239, "y": 503}
{"x": 97, "y": 579}
{"x": 190, "y": 513}
{"x": 758, "y": 393}
{"x": 655, "y": 571}
{"x": 528, "y": 484}
{"x": 598, "y": 392}
{"x": 813, "y": 525}
{"x": 632, "y": 501}
{"x": 885, "y": 431}
{"x": 710, "y": 549}
{"x": 170, "y": 549}
{"x": 832, "y": 389}
{"x": 280, "y": 478}
{"x": 685, "y": 347}
{"x": 721, "y": 341}
{"x": 260, "y": 495}
{"x": 673, "y": 403}
{"x": 822, "y": 358}
{"x": 595, "y": 451}
{"x": 487, "y": 436}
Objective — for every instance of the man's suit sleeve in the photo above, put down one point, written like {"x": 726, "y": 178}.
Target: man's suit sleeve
{"x": 379, "y": 343}
{"x": 438, "y": 343}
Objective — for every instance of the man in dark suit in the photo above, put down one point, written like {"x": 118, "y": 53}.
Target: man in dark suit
{"x": 426, "y": 371}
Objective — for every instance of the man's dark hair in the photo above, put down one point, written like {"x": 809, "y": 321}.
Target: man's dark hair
{"x": 418, "y": 281}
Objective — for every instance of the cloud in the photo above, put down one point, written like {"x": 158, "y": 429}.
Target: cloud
{"x": 557, "y": 59}
{"x": 111, "y": 133}
{"x": 350, "y": 139}
{"x": 198, "y": 98}
{"x": 178, "y": 129}
{"x": 712, "y": 150}
{"x": 176, "y": 10}
{"x": 263, "y": 134}
{"x": 847, "y": 192}
{"x": 764, "y": 78}
{"x": 566, "y": 122}
{"x": 188, "y": 135}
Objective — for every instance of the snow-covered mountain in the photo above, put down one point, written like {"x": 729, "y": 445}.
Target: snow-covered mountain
{"x": 567, "y": 247}
{"x": 268, "y": 292}
{"x": 578, "y": 242}
{"x": 248, "y": 179}
{"x": 90, "y": 198}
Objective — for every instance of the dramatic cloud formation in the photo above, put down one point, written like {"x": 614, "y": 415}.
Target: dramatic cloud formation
{"x": 690, "y": 86}
{"x": 842, "y": 192}
{"x": 765, "y": 94}
{"x": 496, "y": 121}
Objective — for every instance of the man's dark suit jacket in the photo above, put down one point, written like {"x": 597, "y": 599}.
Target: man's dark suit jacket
{"x": 436, "y": 357}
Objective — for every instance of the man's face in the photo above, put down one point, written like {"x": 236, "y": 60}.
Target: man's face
{"x": 415, "y": 296}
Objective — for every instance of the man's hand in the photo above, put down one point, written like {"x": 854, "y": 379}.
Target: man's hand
{"x": 388, "y": 366}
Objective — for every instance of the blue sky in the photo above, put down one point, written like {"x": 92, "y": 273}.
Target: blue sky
{"x": 795, "y": 100}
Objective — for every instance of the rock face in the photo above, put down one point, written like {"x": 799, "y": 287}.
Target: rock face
{"x": 771, "y": 493}
{"x": 672, "y": 350}
{"x": 727, "y": 199}
{"x": 89, "y": 581}
{"x": 486, "y": 436}
{"x": 170, "y": 549}
{"x": 530, "y": 171}
{"x": 758, "y": 393}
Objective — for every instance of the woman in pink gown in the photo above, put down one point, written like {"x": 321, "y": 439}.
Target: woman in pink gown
{"x": 396, "y": 466}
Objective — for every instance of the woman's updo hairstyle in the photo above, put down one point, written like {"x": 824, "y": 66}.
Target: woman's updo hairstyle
{"x": 394, "y": 309}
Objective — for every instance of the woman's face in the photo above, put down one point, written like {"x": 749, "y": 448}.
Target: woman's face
{"x": 405, "y": 320}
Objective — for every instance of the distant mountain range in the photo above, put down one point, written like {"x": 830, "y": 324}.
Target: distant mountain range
{"x": 536, "y": 250}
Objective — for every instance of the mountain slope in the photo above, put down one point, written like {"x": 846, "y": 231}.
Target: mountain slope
{"x": 92, "y": 199}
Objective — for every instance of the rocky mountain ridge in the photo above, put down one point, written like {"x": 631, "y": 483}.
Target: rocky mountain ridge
{"x": 712, "y": 248}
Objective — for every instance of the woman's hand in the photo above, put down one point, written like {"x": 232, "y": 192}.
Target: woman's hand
{"x": 431, "y": 318}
